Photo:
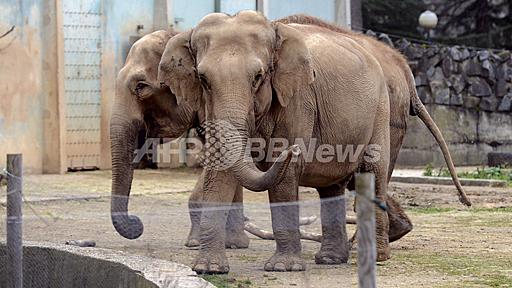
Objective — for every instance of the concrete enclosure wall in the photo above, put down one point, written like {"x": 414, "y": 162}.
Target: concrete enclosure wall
{"x": 468, "y": 93}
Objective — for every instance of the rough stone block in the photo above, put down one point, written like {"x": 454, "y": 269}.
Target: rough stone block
{"x": 424, "y": 94}
{"x": 489, "y": 103}
{"x": 471, "y": 102}
{"x": 440, "y": 92}
{"x": 473, "y": 68}
{"x": 479, "y": 87}
{"x": 495, "y": 127}
{"x": 456, "y": 99}
{"x": 506, "y": 103}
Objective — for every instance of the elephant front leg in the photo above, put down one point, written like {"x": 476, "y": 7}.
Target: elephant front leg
{"x": 219, "y": 187}
{"x": 285, "y": 224}
{"x": 235, "y": 232}
{"x": 194, "y": 210}
{"x": 334, "y": 248}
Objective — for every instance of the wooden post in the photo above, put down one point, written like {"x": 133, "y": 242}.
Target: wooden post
{"x": 366, "y": 241}
{"x": 14, "y": 221}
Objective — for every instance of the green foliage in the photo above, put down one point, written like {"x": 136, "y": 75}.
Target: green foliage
{"x": 430, "y": 171}
{"x": 494, "y": 173}
{"x": 224, "y": 281}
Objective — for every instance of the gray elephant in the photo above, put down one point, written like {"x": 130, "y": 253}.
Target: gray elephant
{"x": 138, "y": 90}
{"x": 256, "y": 77}
{"x": 259, "y": 78}
{"x": 140, "y": 102}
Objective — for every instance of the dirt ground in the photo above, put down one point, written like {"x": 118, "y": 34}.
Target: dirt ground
{"x": 450, "y": 246}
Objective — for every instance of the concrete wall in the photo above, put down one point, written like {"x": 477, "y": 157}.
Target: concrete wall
{"x": 22, "y": 92}
{"x": 468, "y": 93}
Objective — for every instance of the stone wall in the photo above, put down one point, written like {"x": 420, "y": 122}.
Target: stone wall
{"x": 468, "y": 92}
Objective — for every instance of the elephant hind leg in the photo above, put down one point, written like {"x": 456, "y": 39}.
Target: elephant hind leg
{"x": 334, "y": 248}
{"x": 399, "y": 222}
{"x": 235, "y": 232}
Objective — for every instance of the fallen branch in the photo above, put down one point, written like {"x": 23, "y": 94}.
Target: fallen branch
{"x": 8, "y": 31}
{"x": 267, "y": 235}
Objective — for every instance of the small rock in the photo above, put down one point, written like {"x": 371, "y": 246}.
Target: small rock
{"x": 385, "y": 38}
{"x": 479, "y": 87}
{"x": 371, "y": 33}
{"x": 489, "y": 71}
{"x": 421, "y": 79}
{"x": 501, "y": 87}
{"x": 473, "y": 68}
{"x": 465, "y": 54}
{"x": 489, "y": 104}
{"x": 471, "y": 102}
{"x": 440, "y": 92}
{"x": 449, "y": 66}
{"x": 483, "y": 55}
{"x": 455, "y": 54}
{"x": 412, "y": 52}
{"x": 403, "y": 44}
{"x": 457, "y": 82}
{"x": 456, "y": 99}
{"x": 435, "y": 74}
{"x": 506, "y": 103}
{"x": 424, "y": 94}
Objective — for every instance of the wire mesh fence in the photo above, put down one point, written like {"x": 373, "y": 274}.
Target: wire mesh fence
{"x": 75, "y": 209}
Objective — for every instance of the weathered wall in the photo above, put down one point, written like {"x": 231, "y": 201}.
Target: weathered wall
{"x": 468, "y": 93}
{"x": 121, "y": 19}
{"x": 21, "y": 75}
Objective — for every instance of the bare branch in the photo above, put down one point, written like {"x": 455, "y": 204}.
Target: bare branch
{"x": 8, "y": 31}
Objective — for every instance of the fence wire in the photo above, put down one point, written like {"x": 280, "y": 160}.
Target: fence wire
{"x": 78, "y": 213}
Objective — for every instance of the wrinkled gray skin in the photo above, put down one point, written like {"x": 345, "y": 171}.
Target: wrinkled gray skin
{"x": 141, "y": 101}
{"x": 259, "y": 77}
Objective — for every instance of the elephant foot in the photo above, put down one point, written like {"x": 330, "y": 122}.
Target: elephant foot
{"x": 331, "y": 257}
{"x": 211, "y": 264}
{"x": 383, "y": 254}
{"x": 237, "y": 240}
{"x": 193, "y": 239}
{"x": 192, "y": 242}
{"x": 285, "y": 262}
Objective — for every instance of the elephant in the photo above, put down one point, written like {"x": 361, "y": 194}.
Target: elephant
{"x": 141, "y": 103}
{"x": 259, "y": 78}
{"x": 288, "y": 81}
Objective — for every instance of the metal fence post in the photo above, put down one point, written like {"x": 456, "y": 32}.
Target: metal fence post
{"x": 14, "y": 221}
{"x": 366, "y": 241}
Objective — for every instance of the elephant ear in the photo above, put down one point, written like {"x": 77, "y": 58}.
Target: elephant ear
{"x": 177, "y": 70}
{"x": 293, "y": 69}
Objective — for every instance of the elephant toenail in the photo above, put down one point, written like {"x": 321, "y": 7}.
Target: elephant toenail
{"x": 297, "y": 267}
{"x": 279, "y": 267}
{"x": 268, "y": 266}
{"x": 214, "y": 267}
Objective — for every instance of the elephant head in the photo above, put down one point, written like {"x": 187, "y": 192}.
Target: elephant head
{"x": 237, "y": 68}
{"x": 140, "y": 102}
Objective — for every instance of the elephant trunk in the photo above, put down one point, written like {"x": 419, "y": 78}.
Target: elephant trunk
{"x": 249, "y": 176}
{"x": 123, "y": 135}
{"x": 241, "y": 163}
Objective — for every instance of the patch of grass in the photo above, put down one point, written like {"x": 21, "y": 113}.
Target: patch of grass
{"x": 430, "y": 210}
{"x": 493, "y": 173}
{"x": 476, "y": 270}
{"x": 224, "y": 281}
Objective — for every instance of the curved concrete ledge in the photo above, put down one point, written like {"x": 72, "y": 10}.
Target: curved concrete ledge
{"x": 54, "y": 265}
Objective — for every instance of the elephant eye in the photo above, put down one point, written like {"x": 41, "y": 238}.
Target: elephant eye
{"x": 258, "y": 79}
{"x": 204, "y": 81}
{"x": 141, "y": 88}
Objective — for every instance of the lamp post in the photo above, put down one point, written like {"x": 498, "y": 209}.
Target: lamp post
{"x": 428, "y": 20}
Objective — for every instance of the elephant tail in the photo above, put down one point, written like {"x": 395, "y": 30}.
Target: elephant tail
{"x": 418, "y": 109}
